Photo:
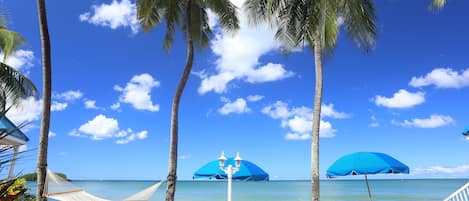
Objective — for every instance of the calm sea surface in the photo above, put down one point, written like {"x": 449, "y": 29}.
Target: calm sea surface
{"x": 331, "y": 190}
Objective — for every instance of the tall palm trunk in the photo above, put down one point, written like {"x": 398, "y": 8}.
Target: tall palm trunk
{"x": 173, "y": 145}
{"x": 316, "y": 122}
{"x": 317, "y": 104}
{"x": 46, "y": 100}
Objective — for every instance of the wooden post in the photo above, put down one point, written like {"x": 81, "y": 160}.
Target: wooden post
{"x": 368, "y": 186}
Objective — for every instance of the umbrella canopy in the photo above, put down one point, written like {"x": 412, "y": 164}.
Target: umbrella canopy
{"x": 362, "y": 163}
{"x": 466, "y": 132}
{"x": 365, "y": 163}
{"x": 247, "y": 171}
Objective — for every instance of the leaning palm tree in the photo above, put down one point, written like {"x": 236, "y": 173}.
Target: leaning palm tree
{"x": 191, "y": 17}
{"x": 316, "y": 24}
{"x": 13, "y": 84}
{"x": 46, "y": 101}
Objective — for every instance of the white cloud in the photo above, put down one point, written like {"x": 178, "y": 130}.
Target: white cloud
{"x": 442, "y": 78}
{"x": 298, "y": 120}
{"x": 438, "y": 170}
{"x": 75, "y": 133}
{"x": 70, "y": 95}
{"x": 52, "y": 134}
{"x": 114, "y": 15}
{"x": 116, "y": 106}
{"x": 28, "y": 110}
{"x": 238, "y": 106}
{"x": 133, "y": 136}
{"x": 21, "y": 60}
{"x": 91, "y": 104}
{"x": 137, "y": 93}
{"x": 102, "y": 127}
{"x": 401, "y": 99}
{"x": 238, "y": 57}
{"x": 58, "y": 106}
{"x": 22, "y": 148}
{"x": 278, "y": 110}
{"x": 433, "y": 121}
{"x": 329, "y": 111}
{"x": 254, "y": 98}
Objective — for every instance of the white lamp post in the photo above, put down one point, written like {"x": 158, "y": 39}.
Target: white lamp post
{"x": 230, "y": 170}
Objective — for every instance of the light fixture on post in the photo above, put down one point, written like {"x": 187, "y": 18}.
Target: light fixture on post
{"x": 230, "y": 170}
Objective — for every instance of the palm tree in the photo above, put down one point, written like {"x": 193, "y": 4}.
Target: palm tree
{"x": 316, "y": 24}
{"x": 191, "y": 17}
{"x": 437, "y": 5}
{"x": 46, "y": 100}
{"x": 13, "y": 84}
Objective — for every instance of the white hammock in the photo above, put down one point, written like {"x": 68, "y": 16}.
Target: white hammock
{"x": 60, "y": 189}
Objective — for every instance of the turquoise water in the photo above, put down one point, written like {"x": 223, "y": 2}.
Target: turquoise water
{"x": 331, "y": 190}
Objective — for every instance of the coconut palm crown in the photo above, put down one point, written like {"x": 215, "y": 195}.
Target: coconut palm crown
{"x": 190, "y": 16}
{"x": 316, "y": 24}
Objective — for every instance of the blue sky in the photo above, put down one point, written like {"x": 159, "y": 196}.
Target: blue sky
{"x": 113, "y": 86}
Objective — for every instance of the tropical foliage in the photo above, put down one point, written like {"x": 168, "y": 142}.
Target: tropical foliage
{"x": 13, "y": 84}
{"x": 316, "y": 24}
{"x": 191, "y": 17}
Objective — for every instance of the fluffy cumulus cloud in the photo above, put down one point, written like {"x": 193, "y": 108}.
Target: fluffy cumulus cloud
{"x": 137, "y": 93}
{"x": 401, "y": 99}
{"x": 114, "y": 15}
{"x": 102, "y": 127}
{"x": 298, "y": 120}
{"x": 28, "y": 110}
{"x": 442, "y": 78}
{"x": 21, "y": 60}
{"x": 238, "y": 57}
{"x": 439, "y": 170}
{"x": 238, "y": 106}
{"x": 434, "y": 121}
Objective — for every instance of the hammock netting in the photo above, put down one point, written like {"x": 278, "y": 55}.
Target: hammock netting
{"x": 60, "y": 189}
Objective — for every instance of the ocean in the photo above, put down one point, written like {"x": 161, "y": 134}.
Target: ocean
{"x": 331, "y": 190}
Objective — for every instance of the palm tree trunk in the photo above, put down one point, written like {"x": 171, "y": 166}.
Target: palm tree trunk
{"x": 316, "y": 122}
{"x": 173, "y": 145}
{"x": 46, "y": 101}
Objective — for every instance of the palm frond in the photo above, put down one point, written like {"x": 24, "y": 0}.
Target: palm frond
{"x": 173, "y": 12}
{"x": 227, "y": 13}
{"x": 359, "y": 20}
{"x": 14, "y": 85}
{"x": 331, "y": 29}
{"x": 437, "y": 5}
{"x": 9, "y": 41}
{"x": 149, "y": 13}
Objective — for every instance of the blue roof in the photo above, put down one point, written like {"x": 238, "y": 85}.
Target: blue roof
{"x": 366, "y": 163}
{"x": 12, "y": 129}
{"x": 247, "y": 172}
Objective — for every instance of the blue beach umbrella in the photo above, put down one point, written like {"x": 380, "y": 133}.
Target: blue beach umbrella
{"x": 466, "y": 132}
{"x": 365, "y": 163}
{"x": 248, "y": 171}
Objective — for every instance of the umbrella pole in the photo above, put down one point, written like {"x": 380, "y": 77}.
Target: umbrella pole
{"x": 368, "y": 186}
